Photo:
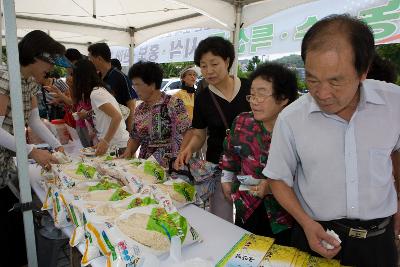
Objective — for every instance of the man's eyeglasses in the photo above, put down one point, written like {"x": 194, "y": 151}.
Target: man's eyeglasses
{"x": 257, "y": 98}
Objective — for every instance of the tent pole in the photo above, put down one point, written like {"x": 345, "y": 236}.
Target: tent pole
{"x": 131, "y": 46}
{"x": 238, "y": 24}
{"x": 19, "y": 130}
{"x": 94, "y": 15}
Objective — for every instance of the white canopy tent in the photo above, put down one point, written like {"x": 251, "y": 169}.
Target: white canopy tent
{"x": 77, "y": 23}
{"x": 83, "y": 21}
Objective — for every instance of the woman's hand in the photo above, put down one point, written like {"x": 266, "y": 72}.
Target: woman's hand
{"x": 60, "y": 149}
{"x": 59, "y": 97}
{"x": 127, "y": 154}
{"x": 83, "y": 114}
{"x": 260, "y": 190}
{"x": 43, "y": 158}
{"x": 183, "y": 158}
{"x": 55, "y": 92}
{"x": 102, "y": 147}
{"x": 227, "y": 190}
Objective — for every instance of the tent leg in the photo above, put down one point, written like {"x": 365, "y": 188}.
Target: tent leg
{"x": 238, "y": 23}
{"x": 131, "y": 46}
{"x": 18, "y": 123}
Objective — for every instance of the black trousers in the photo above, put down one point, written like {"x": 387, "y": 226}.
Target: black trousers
{"x": 12, "y": 228}
{"x": 258, "y": 224}
{"x": 376, "y": 251}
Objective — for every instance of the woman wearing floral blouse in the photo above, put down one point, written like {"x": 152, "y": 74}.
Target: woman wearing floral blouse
{"x": 246, "y": 152}
{"x": 160, "y": 120}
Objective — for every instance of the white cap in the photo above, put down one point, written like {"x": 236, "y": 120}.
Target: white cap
{"x": 193, "y": 68}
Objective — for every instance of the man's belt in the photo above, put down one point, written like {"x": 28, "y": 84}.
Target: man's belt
{"x": 360, "y": 232}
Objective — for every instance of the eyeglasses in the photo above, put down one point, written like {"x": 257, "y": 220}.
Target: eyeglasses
{"x": 257, "y": 98}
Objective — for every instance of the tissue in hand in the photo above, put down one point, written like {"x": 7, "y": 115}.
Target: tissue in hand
{"x": 334, "y": 235}
{"x": 248, "y": 180}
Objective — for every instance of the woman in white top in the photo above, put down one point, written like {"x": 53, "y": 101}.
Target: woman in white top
{"x": 108, "y": 121}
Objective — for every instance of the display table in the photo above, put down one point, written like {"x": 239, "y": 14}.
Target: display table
{"x": 218, "y": 235}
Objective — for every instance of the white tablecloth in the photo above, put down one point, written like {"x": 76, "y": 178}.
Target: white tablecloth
{"x": 218, "y": 235}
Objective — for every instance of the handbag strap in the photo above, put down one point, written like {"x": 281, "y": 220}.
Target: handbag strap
{"x": 221, "y": 114}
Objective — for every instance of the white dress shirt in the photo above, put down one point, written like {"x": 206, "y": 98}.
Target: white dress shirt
{"x": 340, "y": 169}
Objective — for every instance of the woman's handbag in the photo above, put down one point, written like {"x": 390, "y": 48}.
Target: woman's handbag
{"x": 200, "y": 173}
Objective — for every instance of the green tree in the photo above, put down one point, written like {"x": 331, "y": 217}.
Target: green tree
{"x": 173, "y": 69}
{"x": 253, "y": 62}
{"x": 301, "y": 85}
{"x": 242, "y": 74}
{"x": 291, "y": 61}
{"x": 391, "y": 52}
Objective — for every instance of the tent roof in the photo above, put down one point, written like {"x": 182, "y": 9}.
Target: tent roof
{"x": 79, "y": 22}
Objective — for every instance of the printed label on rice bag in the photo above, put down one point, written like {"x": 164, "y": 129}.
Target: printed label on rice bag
{"x": 247, "y": 252}
{"x": 48, "y": 204}
{"x": 129, "y": 255}
{"x": 119, "y": 194}
{"x": 102, "y": 241}
{"x": 186, "y": 190}
{"x": 163, "y": 199}
{"x": 136, "y": 162}
{"x": 134, "y": 183}
{"x": 105, "y": 184}
{"x": 141, "y": 202}
{"x": 86, "y": 170}
{"x": 60, "y": 211}
{"x": 322, "y": 262}
{"x": 65, "y": 180}
{"x": 90, "y": 253}
{"x": 279, "y": 256}
{"x": 169, "y": 224}
{"x": 300, "y": 259}
{"x": 155, "y": 170}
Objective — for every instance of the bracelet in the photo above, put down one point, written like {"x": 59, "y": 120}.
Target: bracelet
{"x": 107, "y": 143}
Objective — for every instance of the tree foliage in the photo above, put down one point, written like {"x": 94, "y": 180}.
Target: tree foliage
{"x": 294, "y": 61}
{"x": 242, "y": 74}
{"x": 173, "y": 69}
{"x": 391, "y": 52}
{"x": 252, "y": 64}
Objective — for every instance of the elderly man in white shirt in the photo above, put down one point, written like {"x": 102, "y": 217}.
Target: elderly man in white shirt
{"x": 330, "y": 157}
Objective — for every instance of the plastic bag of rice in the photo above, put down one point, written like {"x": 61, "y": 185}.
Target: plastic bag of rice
{"x": 75, "y": 210}
{"x": 118, "y": 249}
{"x": 181, "y": 192}
{"x": 153, "y": 168}
{"x": 91, "y": 250}
{"x": 78, "y": 171}
{"x": 48, "y": 202}
{"x": 300, "y": 259}
{"x": 322, "y": 262}
{"x": 60, "y": 211}
{"x": 279, "y": 256}
{"x": 108, "y": 211}
{"x": 153, "y": 227}
{"x": 62, "y": 157}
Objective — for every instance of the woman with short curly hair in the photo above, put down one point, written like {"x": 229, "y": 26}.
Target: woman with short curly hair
{"x": 246, "y": 151}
